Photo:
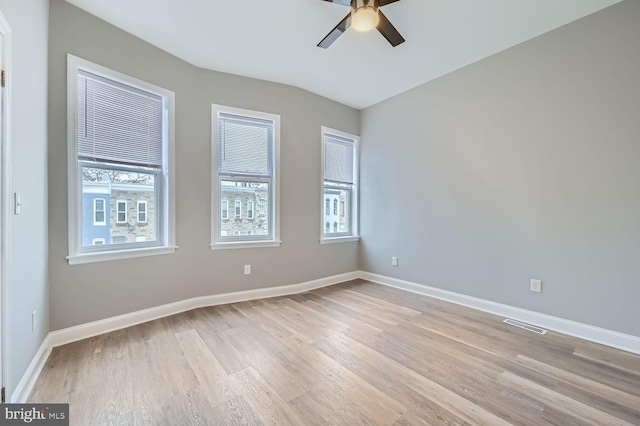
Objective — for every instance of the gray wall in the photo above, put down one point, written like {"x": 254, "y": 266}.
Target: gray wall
{"x": 28, "y": 265}
{"x": 525, "y": 164}
{"x": 84, "y": 293}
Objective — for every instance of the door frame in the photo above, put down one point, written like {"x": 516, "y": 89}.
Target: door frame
{"x": 5, "y": 207}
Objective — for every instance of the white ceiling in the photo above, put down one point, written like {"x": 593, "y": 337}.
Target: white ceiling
{"x": 276, "y": 40}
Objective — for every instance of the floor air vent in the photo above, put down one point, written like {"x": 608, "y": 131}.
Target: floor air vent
{"x": 526, "y": 326}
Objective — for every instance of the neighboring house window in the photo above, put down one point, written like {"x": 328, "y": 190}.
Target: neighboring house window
{"x": 120, "y": 143}
{"x": 225, "y": 209}
{"x": 327, "y": 227}
{"x": 249, "y": 233}
{"x": 121, "y": 211}
{"x": 245, "y": 156}
{"x": 142, "y": 212}
{"x": 99, "y": 217}
{"x": 236, "y": 233}
{"x": 97, "y": 241}
{"x": 340, "y": 183}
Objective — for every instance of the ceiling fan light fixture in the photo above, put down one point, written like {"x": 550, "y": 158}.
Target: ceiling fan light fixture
{"x": 364, "y": 18}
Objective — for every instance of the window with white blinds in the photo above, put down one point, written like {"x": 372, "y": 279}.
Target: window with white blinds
{"x": 118, "y": 123}
{"x": 120, "y": 144}
{"x": 339, "y": 186}
{"x": 245, "y": 148}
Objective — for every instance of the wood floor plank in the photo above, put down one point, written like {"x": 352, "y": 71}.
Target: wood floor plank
{"x": 571, "y": 406}
{"x": 354, "y": 353}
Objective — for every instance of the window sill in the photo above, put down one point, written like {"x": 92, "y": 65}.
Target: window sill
{"x": 244, "y": 245}
{"x": 339, "y": 240}
{"x": 83, "y": 258}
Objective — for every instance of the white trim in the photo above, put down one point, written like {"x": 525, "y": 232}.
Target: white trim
{"x": 84, "y": 331}
{"x": 603, "y": 336}
{"x": 273, "y": 181}
{"x": 614, "y": 339}
{"x": 126, "y": 208}
{"x": 332, "y": 240}
{"x": 353, "y": 209}
{"x": 166, "y": 206}
{"x": 146, "y": 211}
{"x": 105, "y": 256}
{"x": 5, "y": 208}
{"x": 104, "y": 212}
{"x": 244, "y": 245}
{"x": 25, "y": 386}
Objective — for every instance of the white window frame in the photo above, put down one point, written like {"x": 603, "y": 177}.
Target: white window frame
{"x": 273, "y": 207}
{"x": 250, "y": 210}
{"x": 352, "y": 209}
{"x": 104, "y": 212}
{"x": 237, "y": 209}
{"x": 165, "y": 205}
{"x": 224, "y": 209}
{"x": 126, "y": 210}
{"x": 146, "y": 212}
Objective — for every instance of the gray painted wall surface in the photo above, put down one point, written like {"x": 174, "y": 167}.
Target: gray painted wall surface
{"x": 84, "y": 293}
{"x": 28, "y": 265}
{"x": 525, "y": 164}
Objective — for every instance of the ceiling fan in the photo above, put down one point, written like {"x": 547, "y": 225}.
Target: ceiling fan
{"x": 364, "y": 16}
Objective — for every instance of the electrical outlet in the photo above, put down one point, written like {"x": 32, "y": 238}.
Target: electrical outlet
{"x": 536, "y": 285}
{"x": 394, "y": 261}
{"x": 33, "y": 321}
{"x": 247, "y": 269}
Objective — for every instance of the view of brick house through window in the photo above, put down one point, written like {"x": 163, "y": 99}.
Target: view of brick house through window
{"x": 118, "y": 207}
{"x": 249, "y": 216}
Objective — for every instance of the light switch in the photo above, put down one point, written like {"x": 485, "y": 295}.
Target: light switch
{"x": 17, "y": 203}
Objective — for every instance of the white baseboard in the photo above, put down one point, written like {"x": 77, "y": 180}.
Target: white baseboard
{"x": 603, "y": 336}
{"x": 24, "y": 387}
{"x": 625, "y": 342}
{"x": 84, "y": 331}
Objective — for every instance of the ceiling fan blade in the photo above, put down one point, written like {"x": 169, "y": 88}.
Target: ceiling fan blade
{"x": 384, "y": 2}
{"x": 344, "y": 2}
{"x": 389, "y": 32}
{"x": 336, "y": 32}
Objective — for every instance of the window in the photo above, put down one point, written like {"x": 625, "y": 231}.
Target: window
{"x": 339, "y": 185}
{"x": 142, "y": 212}
{"x": 120, "y": 145}
{"x": 98, "y": 214}
{"x": 97, "y": 241}
{"x": 245, "y": 153}
{"x": 224, "y": 213}
{"x": 121, "y": 211}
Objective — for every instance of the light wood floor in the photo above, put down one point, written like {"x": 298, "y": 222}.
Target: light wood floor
{"x": 356, "y": 353}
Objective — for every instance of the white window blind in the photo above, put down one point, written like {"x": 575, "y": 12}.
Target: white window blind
{"x": 118, "y": 123}
{"x": 338, "y": 159}
{"x": 244, "y": 145}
